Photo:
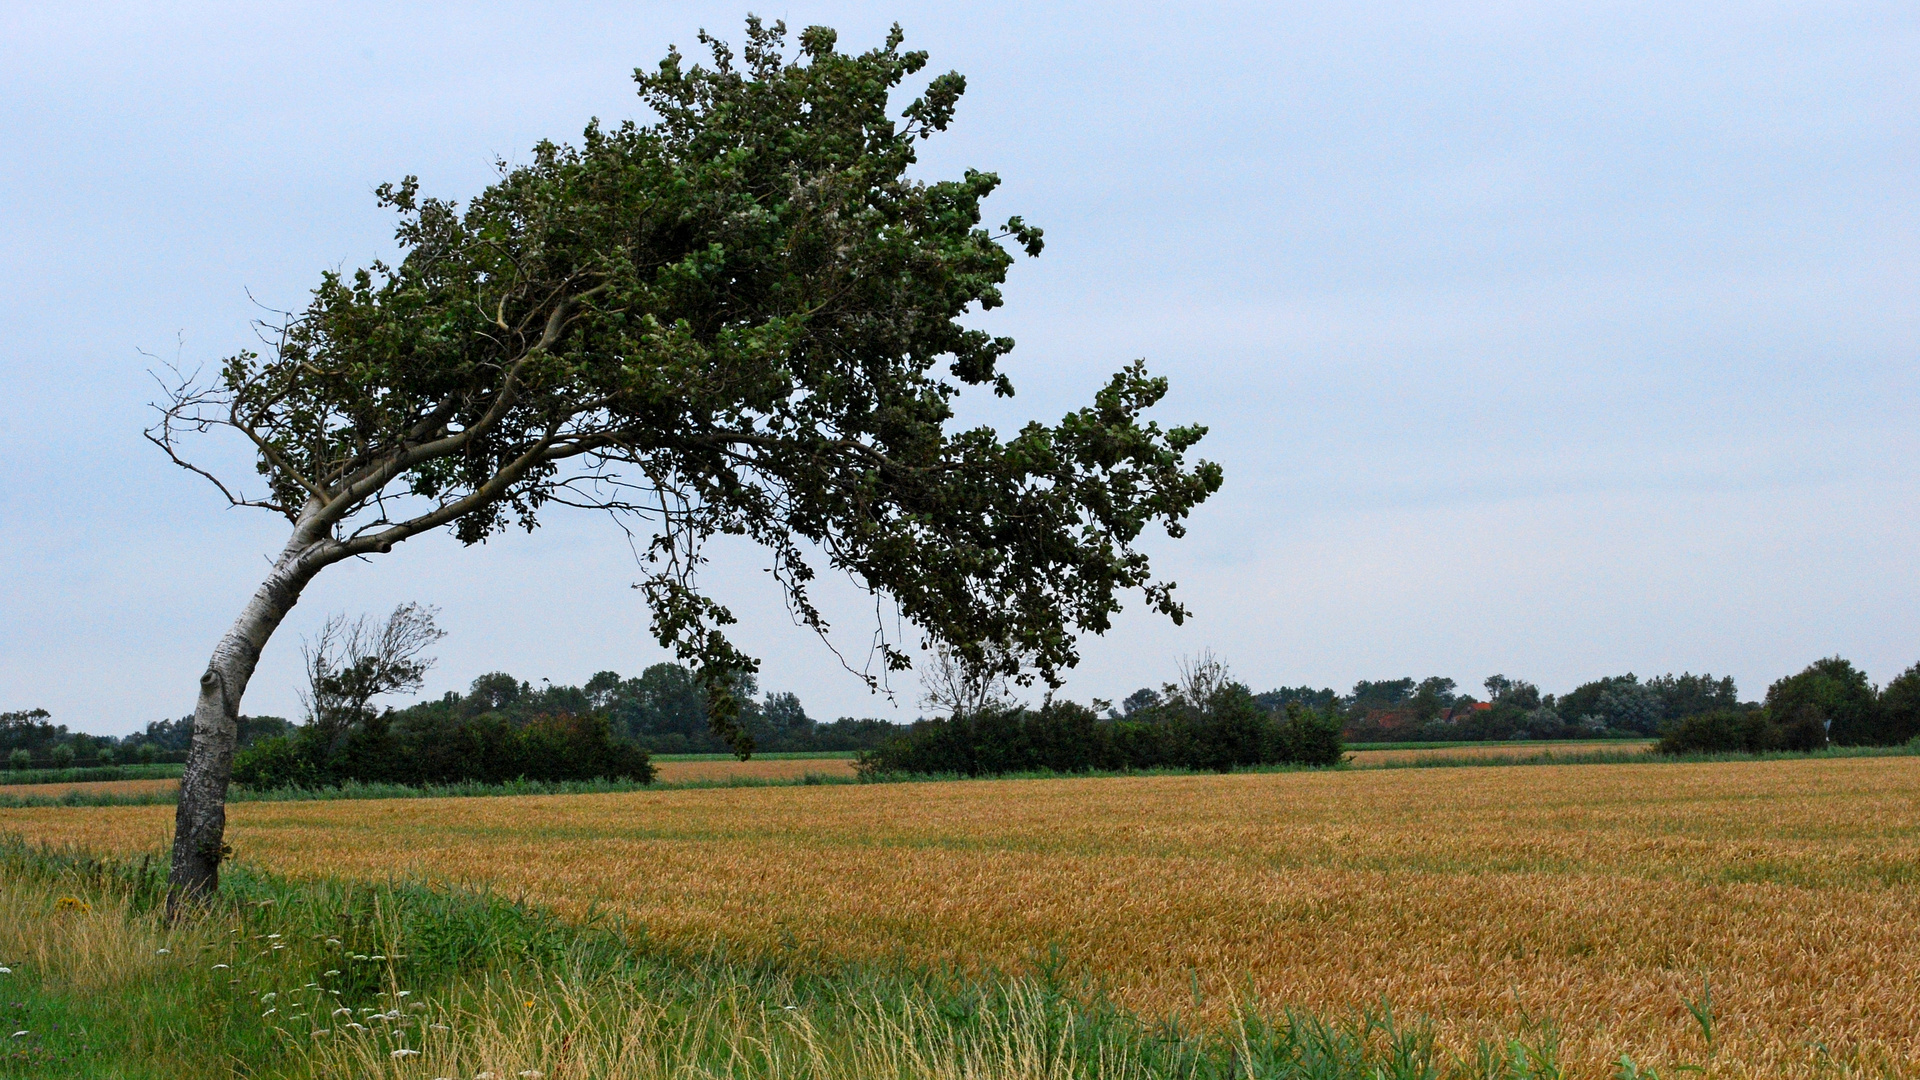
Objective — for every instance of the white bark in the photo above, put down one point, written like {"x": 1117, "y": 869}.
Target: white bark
{"x": 200, "y": 820}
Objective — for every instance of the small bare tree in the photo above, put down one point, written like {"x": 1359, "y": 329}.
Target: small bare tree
{"x": 1201, "y": 677}
{"x": 351, "y": 662}
{"x": 953, "y": 685}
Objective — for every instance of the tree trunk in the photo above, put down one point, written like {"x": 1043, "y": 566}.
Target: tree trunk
{"x": 200, "y": 820}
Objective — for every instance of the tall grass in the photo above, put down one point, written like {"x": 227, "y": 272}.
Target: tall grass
{"x": 285, "y": 979}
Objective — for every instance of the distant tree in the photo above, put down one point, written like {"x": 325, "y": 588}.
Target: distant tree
{"x": 1143, "y": 698}
{"x": 1834, "y": 694}
{"x": 1690, "y": 694}
{"x": 1629, "y": 705}
{"x": 20, "y": 759}
{"x": 726, "y": 322}
{"x": 61, "y": 755}
{"x": 1900, "y": 707}
{"x": 105, "y": 755}
{"x": 494, "y": 691}
{"x": 1303, "y": 695}
{"x": 952, "y": 684}
{"x": 147, "y": 753}
{"x": 1386, "y": 694}
{"x": 30, "y": 729}
{"x": 351, "y": 662}
{"x": 1514, "y": 693}
{"x": 1432, "y": 698}
{"x": 786, "y": 720}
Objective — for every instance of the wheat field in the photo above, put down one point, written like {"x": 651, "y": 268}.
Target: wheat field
{"x": 1595, "y": 896}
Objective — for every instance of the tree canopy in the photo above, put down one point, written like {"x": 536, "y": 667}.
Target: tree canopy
{"x": 741, "y": 318}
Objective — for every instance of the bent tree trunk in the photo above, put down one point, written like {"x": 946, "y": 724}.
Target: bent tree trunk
{"x": 200, "y": 820}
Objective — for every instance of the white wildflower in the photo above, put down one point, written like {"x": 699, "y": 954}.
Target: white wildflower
{"x": 221, "y": 967}
{"x": 163, "y": 952}
{"x": 331, "y": 972}
{"x": 6, "y": 971}
{"x": 403, "y": 1053}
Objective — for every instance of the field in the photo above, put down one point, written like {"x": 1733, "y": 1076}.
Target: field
{"x": 1597, "y": 896}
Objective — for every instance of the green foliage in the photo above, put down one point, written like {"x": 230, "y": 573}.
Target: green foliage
{"x": 487, "y": 749}
{"x": 1834, "y": 695}
{"x": 1900, "y": 707}
{"x": 748, "y": 318}
{"x": 20, "y": 760}
{"x": 1729, "y": 731}
{"x": 1225, "y": 731}
{"x": 663, "y": 710}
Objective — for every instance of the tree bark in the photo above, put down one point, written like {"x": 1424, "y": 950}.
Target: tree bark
{"x": 200, "y": 820}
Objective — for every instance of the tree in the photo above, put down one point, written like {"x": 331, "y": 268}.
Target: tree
{"x": 1830, "y": 692}
{"x": 742, "y": 318}
{"x": 954, "y": 685}
{"x": 351, "y": 663}
{"x": 1900, "y": 706}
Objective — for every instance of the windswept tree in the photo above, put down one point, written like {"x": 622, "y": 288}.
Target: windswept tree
{"x": 744, "y": 318}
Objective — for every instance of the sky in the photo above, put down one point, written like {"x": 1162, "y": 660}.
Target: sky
{"x": 1555, "y": 340}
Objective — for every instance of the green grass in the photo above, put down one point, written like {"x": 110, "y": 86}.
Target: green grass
{"x": 92, "y": 773}
{"x": 476, "y": 981}
{"x": 1490, "y": 742}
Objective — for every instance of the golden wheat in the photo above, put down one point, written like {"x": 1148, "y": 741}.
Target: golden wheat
{"x": 1594, "y": 895}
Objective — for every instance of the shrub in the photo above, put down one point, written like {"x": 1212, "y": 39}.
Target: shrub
{"x": 442, "y": 749}
{"x": 147, "y": 753}
{"x": 1723, "y": 731}
{"x": 1310, "y": 737}
{"x": 1229, "y": 732}
{"x": 20, "y": 759}
{"x": 62, "y": 756}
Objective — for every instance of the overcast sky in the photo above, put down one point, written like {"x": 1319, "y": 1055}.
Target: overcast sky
{"x": 1555, "y": 340}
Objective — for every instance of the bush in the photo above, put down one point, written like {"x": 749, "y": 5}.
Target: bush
{"x": 1230, "y": 731}
{"x": 1310, "y": 737}
{"x": 20, "y": 759}
{"x": 444, "y": 750}
{"x": 62, "y": 756}
{"x": 1723, "y": 731}
{"x": 147, "y": 753}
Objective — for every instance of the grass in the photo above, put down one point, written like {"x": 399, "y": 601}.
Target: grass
{"x": 91, "y": 774}
{"x": 1482, "y": 742}
{"x": 1599, "y": 896}
{"x": 326, "y": 978}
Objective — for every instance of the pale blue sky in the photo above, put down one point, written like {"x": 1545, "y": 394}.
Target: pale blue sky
{"x": 1556, "y": 340}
